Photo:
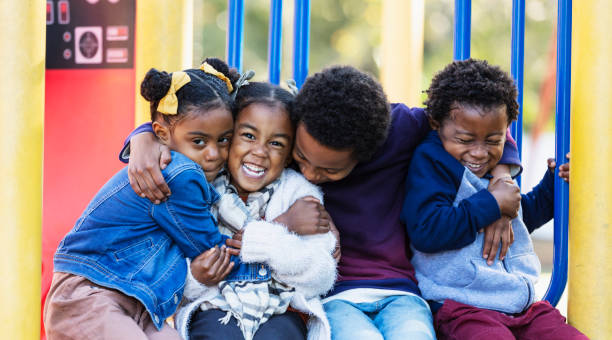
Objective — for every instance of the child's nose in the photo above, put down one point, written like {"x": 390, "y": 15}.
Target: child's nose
{"x": 310, "y": 174}
{"x": 212, "y": 153}
{"x": 259, "y": 149}
{"x": 478, "y": 151}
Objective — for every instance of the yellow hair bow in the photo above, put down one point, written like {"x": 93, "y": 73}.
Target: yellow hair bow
{"x": 206, "y": 67}
{"x": 169, "y": 104}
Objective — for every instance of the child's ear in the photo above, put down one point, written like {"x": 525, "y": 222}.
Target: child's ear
{"x": 433, "y": 123}
{"x": 162, "y": 132}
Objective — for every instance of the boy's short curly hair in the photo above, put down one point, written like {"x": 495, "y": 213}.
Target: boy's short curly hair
{"x": 345, "y": 109}
{"x": 471, "y": 82}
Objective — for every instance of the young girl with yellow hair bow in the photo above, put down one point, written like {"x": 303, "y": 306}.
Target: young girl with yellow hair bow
{"x": 120, "y": 272}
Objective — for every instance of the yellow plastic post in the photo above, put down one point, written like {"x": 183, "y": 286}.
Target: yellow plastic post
{"x": 590, "y": 234}
{"x": 402, "y": 50}
{"x": 22, "y": 89}
{"x": 164, "y": 40}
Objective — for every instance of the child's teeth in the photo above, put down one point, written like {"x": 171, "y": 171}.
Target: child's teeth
{"x": 253, "y": 170}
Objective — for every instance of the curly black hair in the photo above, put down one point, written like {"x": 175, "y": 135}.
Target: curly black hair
{"x": 472, "y": 82}
{"x": 344, "y": 109}
{"x": 204, "y": 91}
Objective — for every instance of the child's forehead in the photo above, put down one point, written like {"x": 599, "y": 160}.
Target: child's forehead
{"x": 461, "y": 109}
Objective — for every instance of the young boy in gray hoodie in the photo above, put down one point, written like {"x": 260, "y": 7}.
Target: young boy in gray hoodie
{"x": 449, "y": 199}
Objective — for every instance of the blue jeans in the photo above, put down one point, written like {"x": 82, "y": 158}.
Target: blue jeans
{"x": 395, "y": 317}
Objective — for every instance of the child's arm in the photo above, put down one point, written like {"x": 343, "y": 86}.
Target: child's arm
{"x": 510, "y": 162}
{"x": 146, "y": 157}
{"x": 538, "y": 205}
{"x": 434, "y": 224}
{"x": 307, "y": 216}
{"x": 303, "y": 262}
{"x": 500, "y": 232}
{"x": 186, "y": 215}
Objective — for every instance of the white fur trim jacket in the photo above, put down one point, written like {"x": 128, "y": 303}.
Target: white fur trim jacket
{"x": 303, "y": 262}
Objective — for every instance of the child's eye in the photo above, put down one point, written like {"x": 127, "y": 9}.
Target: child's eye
{"x": 494, "y": 142}
{"x": 223, "y": 140}
{"x": 248, "y": 135}
{"x": 199, "y": 141}
{"x": 464, "y": 141}
{"x": 277, "y": 144}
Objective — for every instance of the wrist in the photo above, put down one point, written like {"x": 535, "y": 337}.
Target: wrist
{"x": 501, "y": 171}
{"x": 499, "y": 201}
{"x": 282, "y": 220}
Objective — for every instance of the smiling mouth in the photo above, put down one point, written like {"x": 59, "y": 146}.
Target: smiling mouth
{"x": 474, "y": 167}
{"x": 252, "y": 170}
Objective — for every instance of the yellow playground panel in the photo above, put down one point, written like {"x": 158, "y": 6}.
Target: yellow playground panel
{"x": 22, "y": 62}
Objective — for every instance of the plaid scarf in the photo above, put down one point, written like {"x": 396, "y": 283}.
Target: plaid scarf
{"x": 250, "y": 303}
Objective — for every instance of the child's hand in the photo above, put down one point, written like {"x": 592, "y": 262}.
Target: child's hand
{"x": 235, "y": 243}
{"x": 147, "y": 158}
{"x": 337, "y": 251}
{"x": 306, "y": 217}
{"x": 212, "y": 266}
{"x": 507, "y": 194}
{"x": 564, "y": 169}
{"x": 498, "y": 232}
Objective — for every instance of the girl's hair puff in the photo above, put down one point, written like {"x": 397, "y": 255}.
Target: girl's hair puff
{"x": 204, "y": 92}
{"x": 266, "y": 94}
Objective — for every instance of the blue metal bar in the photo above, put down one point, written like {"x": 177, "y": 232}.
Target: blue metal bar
{"x": 275, "y": 28}
{"x": 463, "y": 21}
{"x": 235, "y": 33}
{"x": 517, "y": 64}
{"x": 301, "y": 41}
{"x": 564, "y": 53}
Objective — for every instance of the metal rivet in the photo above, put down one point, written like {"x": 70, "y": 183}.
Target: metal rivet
{"x": 262, "y": 271}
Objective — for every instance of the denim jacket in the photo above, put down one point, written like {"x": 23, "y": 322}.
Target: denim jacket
{"x": 125, "y": 242}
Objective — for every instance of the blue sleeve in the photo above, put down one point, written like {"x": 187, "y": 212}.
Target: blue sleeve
{"x": 186, "y": 215}
{"x": 434, "y": 224}
{"x": 539, "y": 204}
{"x": 124, "y": 154}
{"x": 511, "y": 156}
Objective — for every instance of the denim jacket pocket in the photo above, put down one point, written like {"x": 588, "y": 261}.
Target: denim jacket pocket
{"x": 133, "y": 249}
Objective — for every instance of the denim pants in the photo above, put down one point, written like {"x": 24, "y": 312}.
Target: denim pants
{"x": 395, "y": 317}
{"x": 205, "y": 325}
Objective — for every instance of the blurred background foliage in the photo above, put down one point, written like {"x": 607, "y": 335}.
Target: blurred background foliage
{"x": 349, "y": 32}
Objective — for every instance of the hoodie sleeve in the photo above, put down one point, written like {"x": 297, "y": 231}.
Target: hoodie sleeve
{"x": 433, "y": 222}
{"x": 124, "y": 154}
{"x": 539, "y": 204}
{"x": 511, "y": 156}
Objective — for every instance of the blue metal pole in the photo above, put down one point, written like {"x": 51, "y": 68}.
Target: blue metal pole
{"x": 564, "y": 64}
{"x": 463, "y": 11}
{"x": 517, "y": 64}
{"x": 235, "y": 33}
{"x": 275, "y": 29}
{"x": 301, "y": 41}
